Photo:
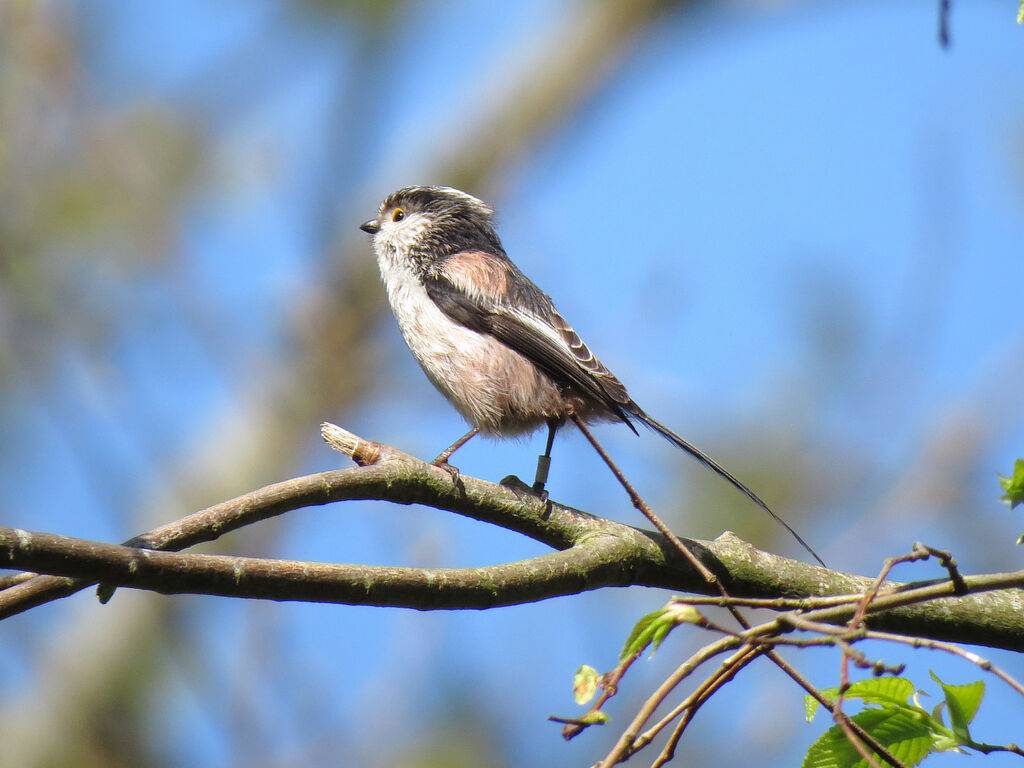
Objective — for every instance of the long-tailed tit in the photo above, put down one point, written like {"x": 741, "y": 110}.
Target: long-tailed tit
{"x": 489, "y": 339}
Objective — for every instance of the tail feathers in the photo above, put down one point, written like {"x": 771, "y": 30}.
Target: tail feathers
{"x": 718, "y": 469}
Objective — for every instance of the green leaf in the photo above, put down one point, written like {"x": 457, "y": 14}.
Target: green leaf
{"x": 1020, "y": 12}
{"x": 640, "y": 635}
{"x": 874, "y": 690}
{"x": 909, "y": 733}
{"x": 597, "y": 717}
{"x": 810, "y": 706}
{"x": 652, "y": 628}
{"x": 1013, "y": 486}
{"x": 962, "y": 702}
{"x": 888, "y": 689}
{"x": 584, "y": 683}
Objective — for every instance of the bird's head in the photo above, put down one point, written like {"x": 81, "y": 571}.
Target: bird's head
{"x": 416, "y": 226}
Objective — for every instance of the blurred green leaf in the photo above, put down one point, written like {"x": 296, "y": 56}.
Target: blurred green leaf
{"x": 653, "y": 627}
{"x": 904, "y": 728}
{"x": 909, "y": 733}
{"x": 874, "y": 690}
{"x": 584, "y": 683}
{"x": 597, "y": 717}
{"x": 962, "y": 702}
{"x": 810, "y": 707}
{"x": 1013, "y": 486}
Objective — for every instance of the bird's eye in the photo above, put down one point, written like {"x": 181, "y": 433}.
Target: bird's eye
{"x": 398, "y": 214}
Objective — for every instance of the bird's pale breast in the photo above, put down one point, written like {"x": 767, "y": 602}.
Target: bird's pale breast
{"x": 495, "y": 388}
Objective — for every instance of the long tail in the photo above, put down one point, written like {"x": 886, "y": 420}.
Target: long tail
{"x": 714, "y": 466}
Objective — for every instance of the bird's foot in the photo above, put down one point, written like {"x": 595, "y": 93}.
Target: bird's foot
{"x": 541, "y": 478}
{"x": 441, "y": 462}
{"x": 514, "y": 484}
{"x": 521, "y": 489}
{"x": 539, "y": 491}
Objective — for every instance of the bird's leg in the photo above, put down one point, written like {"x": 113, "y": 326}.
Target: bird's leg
{"x": 544, "y": 462}
{"x": 442, "y": 457}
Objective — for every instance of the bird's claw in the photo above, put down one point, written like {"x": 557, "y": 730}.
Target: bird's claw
{"x": 451, "y": 469}
{"x": 442, "y": 463}
{"x": 521, "y": 489}
{"x": 539, "y": 491}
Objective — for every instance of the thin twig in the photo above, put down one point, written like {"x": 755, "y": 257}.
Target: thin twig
{"x": 642, "y": 505}
{"x": 887, "y": 565}
{"x": 819, "y": 697}
{"x": 609, "y": 687}
{"x": 831, "y": 634}
{"x": 771, "y": 603}
{"x": 858, "y": 657}
{"x": 986, "y": 749}
{"x": 946, "y": 561}
{"x": 944, "y": 8}
{"x": 725, "y": 672}
{"x": 625, "y": 742}
{"x": 953, "y": 648}
{"x": 918, "y": 551}
{"x": 845, "y": 724}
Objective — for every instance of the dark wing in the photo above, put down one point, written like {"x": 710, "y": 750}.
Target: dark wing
{"x": 488, "y": 294}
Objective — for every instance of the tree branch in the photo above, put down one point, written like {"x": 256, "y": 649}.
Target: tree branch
{"x": 593, "y": 552}
{"x": 602, "y": 561}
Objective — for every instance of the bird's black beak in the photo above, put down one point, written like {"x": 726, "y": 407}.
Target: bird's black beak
{"x": 370, "y": 227}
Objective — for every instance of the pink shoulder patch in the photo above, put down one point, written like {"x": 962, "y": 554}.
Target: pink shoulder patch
{"x": 477, "y": 272}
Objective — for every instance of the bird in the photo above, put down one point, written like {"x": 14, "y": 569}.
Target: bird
{"x": 488, "y": 338}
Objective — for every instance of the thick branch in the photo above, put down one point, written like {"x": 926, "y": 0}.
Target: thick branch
{"x": 392, "y": 476}
{"x": 595, "y": 552}
{"x": 603, "y": 561}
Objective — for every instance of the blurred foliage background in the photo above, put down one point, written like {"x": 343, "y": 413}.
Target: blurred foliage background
{"x": 796, "y": 230}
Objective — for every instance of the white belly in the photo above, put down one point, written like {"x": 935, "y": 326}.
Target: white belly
{"x": 495, "y": 388}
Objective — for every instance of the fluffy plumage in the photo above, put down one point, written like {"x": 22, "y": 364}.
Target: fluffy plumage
{"x": 489, "y": 339}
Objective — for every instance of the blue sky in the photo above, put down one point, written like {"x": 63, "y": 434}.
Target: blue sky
{"x": 793, "y": 230}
